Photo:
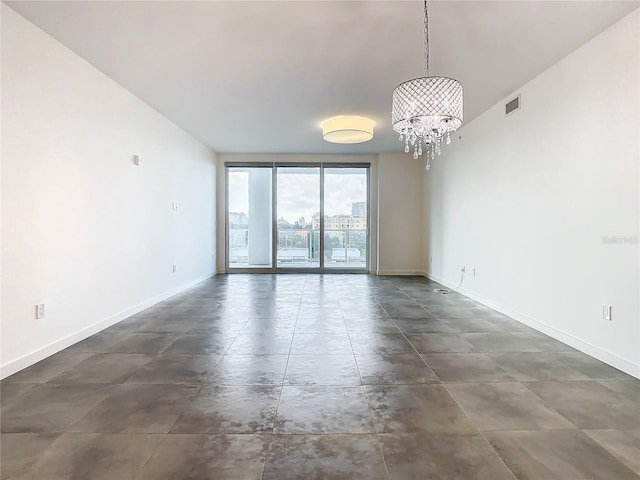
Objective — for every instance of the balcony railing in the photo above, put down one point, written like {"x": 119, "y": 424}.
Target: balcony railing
{"x": 344, "y": 248}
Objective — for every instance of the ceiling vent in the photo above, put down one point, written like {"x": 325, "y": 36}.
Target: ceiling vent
{"x": 512, "y": 105}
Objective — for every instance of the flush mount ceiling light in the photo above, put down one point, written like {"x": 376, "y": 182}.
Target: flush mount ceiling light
{"x": 426, "y": 110}
{"x": 347, "y": 129}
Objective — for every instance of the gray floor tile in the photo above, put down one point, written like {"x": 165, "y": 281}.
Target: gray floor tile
{"x": 591, "y": 367}
{"x": 500, "y": 342}
{"x": 322, "y": 409}
{"x": 219, "y": 326}
{"x": 561, "y": 454}
{"x": 416, "y": 408}
{"x": 536, "y": 366}
{"x": 52, "y": 408}
{"x": 325, "y": 457}
{"x": 506, "y": 406}
{"x": 98, "y": 343}
{"x": 441, "y": 456}
{"x": 466, "y": 367}
{"x": 471, "y": 325}
{"x": 249, "y": 370}
{"x": 322, "y": 370}
{"x": 229, "y": 457}
{"x": 201, "y": 344}
{"x": 622, "y": 444}
{"x": 629, "y": 389}
{"x": 422, "y": 325}
{"x": 261, "y": 344}
{"x": 177, "y": 369}
{"x": 588, "y": 404}
{"x": 357, "y": 324}
{"x": 456, "y": 312}
{"x": 380, "y": 343}
{"x": 21, "y": 450}
{"x": 406, "y": 311}
{"x": 12, "y": 392}
{"x": 394, "y": 369}
{"x": 439, "y": 343}
{"x": 104, "y": 368}
{"x": 230, "y": 409}
{"x": 270, "y": 325}
{"x": 169, "y": 325}
{"x": 137, "y": 409}
{"x": 48, "y": 368}
{"x": 335, "y": 326}
{"x": 321, "y": 343}
{"x": 147, "y": 343}
{"x": 95, "y": 456}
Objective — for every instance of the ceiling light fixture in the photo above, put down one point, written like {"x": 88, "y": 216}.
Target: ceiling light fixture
{"x": 426, "y": 110}
{"x": 347, "y": 129}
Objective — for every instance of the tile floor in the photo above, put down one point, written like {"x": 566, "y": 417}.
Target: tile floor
{"x": 320, "y": 377}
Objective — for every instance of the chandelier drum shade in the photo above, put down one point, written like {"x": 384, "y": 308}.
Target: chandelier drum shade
{"x": 426, "y": 110}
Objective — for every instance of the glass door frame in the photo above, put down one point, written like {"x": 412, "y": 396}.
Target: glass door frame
{"x": 274, "y": 216}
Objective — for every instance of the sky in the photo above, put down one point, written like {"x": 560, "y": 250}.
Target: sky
{"x": 299, "y": 193}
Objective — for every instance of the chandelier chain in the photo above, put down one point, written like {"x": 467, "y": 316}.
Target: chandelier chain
{"x": 426, "y": 110}
{"x": 426, "y": 40}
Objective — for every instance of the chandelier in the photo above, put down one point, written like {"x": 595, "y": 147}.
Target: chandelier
{"x": 426, "y": 110}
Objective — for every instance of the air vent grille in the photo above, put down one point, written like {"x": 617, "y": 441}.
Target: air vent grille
{"x": 512, "y": 105}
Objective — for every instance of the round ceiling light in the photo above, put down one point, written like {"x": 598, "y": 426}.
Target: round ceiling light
{"x": 347, "y": 129}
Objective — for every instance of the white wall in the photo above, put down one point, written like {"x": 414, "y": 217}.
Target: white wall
{"x": 84, "y": 230}
{"x": 528, "y": 199}
{"x": 400, "y": 191}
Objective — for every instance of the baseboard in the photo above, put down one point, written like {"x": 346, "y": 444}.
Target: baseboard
{"x": 575, "y": 342}
{"x": 41, "y": 353}
{"x": 400, "y": 272}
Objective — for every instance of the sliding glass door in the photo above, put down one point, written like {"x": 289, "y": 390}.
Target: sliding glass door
{"x": 297, "y": 217}
{"x": 346, "y": 211}
{"x": 298, "y": 212}
{"x": 249, "y": 192}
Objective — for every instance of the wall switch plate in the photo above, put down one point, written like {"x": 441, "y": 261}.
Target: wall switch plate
{"x": 40, "y": 311}
{"x": 174, "y": 269}
{"x": 136, "y": 160}
{"x": 606, "y": 312}
{"x": 474, "y": 272}
{"x": 174, "y": 206}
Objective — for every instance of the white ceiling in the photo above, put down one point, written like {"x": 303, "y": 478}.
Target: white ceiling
{"x": 261, "y": 76}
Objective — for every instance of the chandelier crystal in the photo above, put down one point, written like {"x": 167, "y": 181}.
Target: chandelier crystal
{"x": 426, "y": 110}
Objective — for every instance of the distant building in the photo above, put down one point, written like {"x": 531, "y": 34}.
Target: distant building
{"x": 340, "y": 222}
{"x": 359, "y": 209}
{"x": 238, "y": 219}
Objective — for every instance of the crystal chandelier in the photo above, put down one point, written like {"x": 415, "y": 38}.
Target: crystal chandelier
{"x": 426, "y": 110}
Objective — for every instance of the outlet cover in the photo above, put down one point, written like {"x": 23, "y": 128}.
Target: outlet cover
{"x": 606, "y": 312}
{"x": 40, "y": 311}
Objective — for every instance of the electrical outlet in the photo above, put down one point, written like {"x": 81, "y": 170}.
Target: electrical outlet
{"x": 174, "y": 269}
{"x": 40, "y": 311}
{"x": 606, "y": 312}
